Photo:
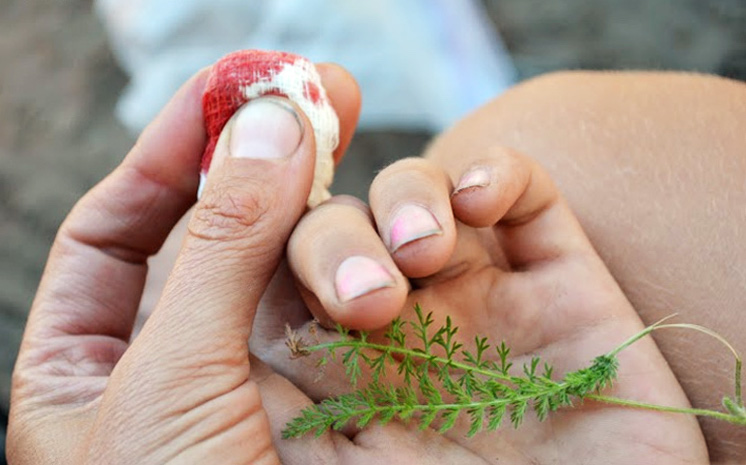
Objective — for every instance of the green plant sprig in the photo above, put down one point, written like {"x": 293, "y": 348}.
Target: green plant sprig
{"x": 434, "y": 387}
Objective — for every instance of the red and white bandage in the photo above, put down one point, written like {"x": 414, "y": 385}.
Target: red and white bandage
{"x": 244, "y": 75}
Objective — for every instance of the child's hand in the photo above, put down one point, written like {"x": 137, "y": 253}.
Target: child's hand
{"x": 486, "y": 239}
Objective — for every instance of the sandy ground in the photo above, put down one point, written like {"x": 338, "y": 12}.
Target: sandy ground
{"x": 59, "y": 82}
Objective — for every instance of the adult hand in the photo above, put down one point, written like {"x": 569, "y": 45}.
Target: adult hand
{"x": 183, "y": 391}
{"x": 502, "y": 255}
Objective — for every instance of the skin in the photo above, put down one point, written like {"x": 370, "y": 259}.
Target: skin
{"x": 81, "y": 392}
{"x": 515, "y": 266}
{"x": 653, "y": 166}
{"x": 639, "y": 155}
{"x": 519, "y": 269}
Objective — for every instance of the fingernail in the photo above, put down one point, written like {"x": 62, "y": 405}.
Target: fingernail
{"x": 359, "y": 275}
{"x": 477, "y": 177}
{"x": 265, "y": 128}
{"x": 410, "y": 223}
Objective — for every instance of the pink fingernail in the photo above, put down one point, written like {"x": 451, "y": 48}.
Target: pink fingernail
{"x": 477, "y": 177}
{"x": 359, "y": 275}
{"x": 410, "y": 223}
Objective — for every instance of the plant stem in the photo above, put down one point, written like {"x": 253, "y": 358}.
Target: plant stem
{"x": 661, "y": 408}
{"x": 636, "y": 337}
{"x": 738, "y": 398}
{"x": 426, "y": 407}
{"x": 350, "y": 343}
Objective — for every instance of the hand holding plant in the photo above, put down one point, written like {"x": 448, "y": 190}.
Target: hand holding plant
{"x": 504, "y": 259}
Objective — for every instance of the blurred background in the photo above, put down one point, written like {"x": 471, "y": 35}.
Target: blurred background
{"x": 60, "y": 83}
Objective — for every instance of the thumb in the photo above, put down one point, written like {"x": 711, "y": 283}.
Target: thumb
{"x": 255, "y": 192}
{"x": 185, "y": 379}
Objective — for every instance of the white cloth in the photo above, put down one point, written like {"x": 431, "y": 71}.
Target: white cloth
{"x": 421, "y": 64}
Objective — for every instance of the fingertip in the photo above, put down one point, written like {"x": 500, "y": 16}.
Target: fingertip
{"x": 373, "y": 312}
{"x": 198, "y": 82}
{"x": 475, "y": 199}
{"x": 343, "y": 270}
{"x": 411, "y": 204}
{"x": 500, "y": 185}
{"x": 169, "y": 150}
{"x": 360, "y": 299}
{"x": 369, "y": 294}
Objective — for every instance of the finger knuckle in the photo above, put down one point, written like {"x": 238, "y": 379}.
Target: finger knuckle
{"x": 511, "y": 161}
{"x": 405, "y": 172}
{"x": 407, "y": 164}
{"x": 503, "y": 152}
{"x": 230, "y": 211}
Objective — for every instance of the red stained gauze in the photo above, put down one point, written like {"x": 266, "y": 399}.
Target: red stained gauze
{"x": 247, "y": 74}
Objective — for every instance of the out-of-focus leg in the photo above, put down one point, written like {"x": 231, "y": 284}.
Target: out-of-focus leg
{"x": 654, "y": 165}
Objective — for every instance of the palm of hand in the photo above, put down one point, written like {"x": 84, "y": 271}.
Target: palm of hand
{"x": 538, "y": 285}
